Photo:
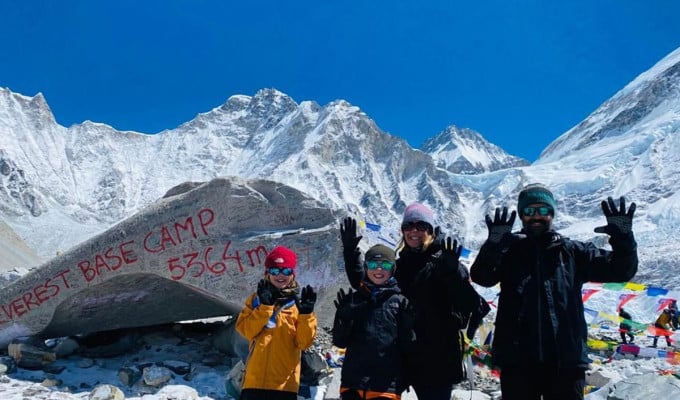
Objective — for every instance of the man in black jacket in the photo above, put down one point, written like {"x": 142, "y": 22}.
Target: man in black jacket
{"x": 540, "y": 335}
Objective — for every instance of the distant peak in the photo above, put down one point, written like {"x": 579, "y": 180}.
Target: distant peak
{"x": 272, "y": 94}
{"x": 237, "y": 102}
{"x": 455, "y": 131}
{"x": 239, "y": 98}
{"x": 36, "y": 105}
{"x": 465, "y": 151}
{"x": 269, "y": 92}
{"x": 39, "y": 100}
{"x": 272, "y": 100}
{"x": 23, "y": 99}
{"x": 343, "y": 107}
{"x": 454, "y": 136}
{"x": 340, "y": 103}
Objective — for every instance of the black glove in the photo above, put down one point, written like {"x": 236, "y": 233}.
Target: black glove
{"x": 345, "y": 305}
{"x": 408, "y": 315}
{"x": 451, "y": 252}
{"x": 477, "y": 317}
{"x": 307, "y": 300}
{"x": 264, "y": 292}
{"x": 348, "y": 234}
{"x": 619, "y": 222}
{"x": 500, "y": 225}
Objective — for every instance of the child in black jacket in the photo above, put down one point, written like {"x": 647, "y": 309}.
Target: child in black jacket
{"x": 375, "y": 325}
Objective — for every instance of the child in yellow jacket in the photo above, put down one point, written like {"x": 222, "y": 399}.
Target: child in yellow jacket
{"x": 279, "y": 323}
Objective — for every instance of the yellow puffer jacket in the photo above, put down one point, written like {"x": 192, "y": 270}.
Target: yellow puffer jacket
{"x": 664, "y": 320}
{"x": 274, "y": 360}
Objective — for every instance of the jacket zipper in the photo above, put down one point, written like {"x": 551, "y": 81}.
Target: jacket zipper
{"x": 539, "y": 302}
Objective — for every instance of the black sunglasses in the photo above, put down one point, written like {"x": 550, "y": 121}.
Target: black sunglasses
{"x": 420, "y": 226}
{"x": 543, "y": 211}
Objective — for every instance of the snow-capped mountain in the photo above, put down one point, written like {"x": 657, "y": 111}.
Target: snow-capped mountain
{"x": 80, "y": 180}
{"x": 90, "y": 175}
{"x": 464, "y": 151}
{"x": 630, "y": 146}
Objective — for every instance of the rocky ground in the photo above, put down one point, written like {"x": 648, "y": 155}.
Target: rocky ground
{"x": 135, "y": 362}
{"x": 193, "y": 361}
{"x": 176, "y": 361}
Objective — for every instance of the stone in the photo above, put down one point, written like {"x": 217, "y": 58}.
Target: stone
{"x": 106, "y": 392}
{"x": 129, "y": 375}
{"x": 29, "y": 356}
{"x": 178, "y": 367}
{"x": 177, "y": 392}
{"x": 156, "y": 376}
{"x": 7, "y": 365}
{"x": 65, "y": 347}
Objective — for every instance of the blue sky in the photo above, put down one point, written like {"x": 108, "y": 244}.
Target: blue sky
{"x": 519, "y": 72}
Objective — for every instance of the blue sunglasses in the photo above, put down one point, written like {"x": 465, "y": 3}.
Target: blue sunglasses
{"x": 385, "y": 265}
{"x": 283, "y": 271}
{"x": 543, "y": 211}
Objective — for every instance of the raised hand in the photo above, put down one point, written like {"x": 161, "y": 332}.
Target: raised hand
{"x": 307, "y": 300}
{"x": 451, "y": 252}
{"x": 348, "y": 234}
{"x": 345, "y": 304}
{"x": 342, "y": 298}
{"x": 500, "y": 225}
{"x": 619, "y": 221}
{"x": 264, "y": 293}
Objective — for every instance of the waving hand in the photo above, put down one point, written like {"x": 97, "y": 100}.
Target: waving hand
{"x": 619, "y": 221}
{"x": 500, "y": 225}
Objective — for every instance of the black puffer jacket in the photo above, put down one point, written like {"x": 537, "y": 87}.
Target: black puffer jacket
{"x": 443, "y": 299}
{"x": 540, "y": 311}
{"x": 377, "y": 336}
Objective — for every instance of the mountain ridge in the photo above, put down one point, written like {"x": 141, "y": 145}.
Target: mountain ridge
{"x": 90, "y": 176}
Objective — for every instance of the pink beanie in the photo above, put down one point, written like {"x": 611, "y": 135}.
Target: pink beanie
{"x": 418, "y": 212}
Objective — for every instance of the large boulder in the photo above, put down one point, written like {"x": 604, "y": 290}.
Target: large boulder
{"x": 646, "y": 386}
{"x": 196, "y": 253}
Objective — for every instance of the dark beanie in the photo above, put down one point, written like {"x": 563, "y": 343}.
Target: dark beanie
{"x": 535, "y": 193}
{"x": 380, "y": 252}
{"x": 281, "y": 257}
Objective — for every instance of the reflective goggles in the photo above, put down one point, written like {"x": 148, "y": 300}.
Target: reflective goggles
{"x": 384, "y": 265}
{"x": 284, "y": 271}
{"x": 543, "y": 211}
{"x": 420, "y": 226}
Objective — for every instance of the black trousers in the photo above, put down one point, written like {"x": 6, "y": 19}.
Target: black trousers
{"x": 532, "y": 382}
{"x": 623, "y": 336}
{"x": 433, "y": 393}
{"x": 263, "y": 394}
{"x": 656, "y": 338}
